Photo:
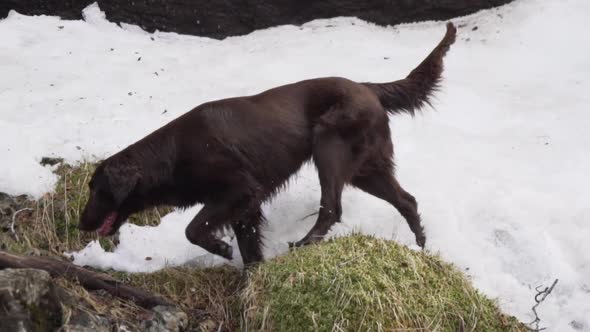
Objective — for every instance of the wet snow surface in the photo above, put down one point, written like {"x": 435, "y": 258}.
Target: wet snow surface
{"x": 500, "y": 169}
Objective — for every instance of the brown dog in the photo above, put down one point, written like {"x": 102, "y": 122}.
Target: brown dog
{"x": 234, "y": 154}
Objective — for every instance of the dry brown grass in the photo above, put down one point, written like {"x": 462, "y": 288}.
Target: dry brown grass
{"x": 209, "y": 296}
{"x": 101, "y": 303}
{"x": 52, "y": 228}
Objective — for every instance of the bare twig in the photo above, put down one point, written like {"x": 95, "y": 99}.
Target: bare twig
{"x": 66, "y": 213}
{"x": 539, "y": 298}
{"x": 14, "y": 220}
{"x": 309, "y": 215}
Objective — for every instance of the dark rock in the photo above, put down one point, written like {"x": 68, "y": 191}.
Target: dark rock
{"x": 222, "y": 18}
{"x": 577, "y": 325}
{"x": 22, "y": 200}
{"x": 51, "y": 161}
{"x": 81, "y": 321}
{"x": 29, "y": 301}
{"x": 7, "y": 208}
{"x": 9, "y": 205}
{"x": 6, "y": 201}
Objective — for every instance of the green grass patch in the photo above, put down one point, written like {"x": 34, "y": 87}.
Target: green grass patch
{"x": 360, "y": 283}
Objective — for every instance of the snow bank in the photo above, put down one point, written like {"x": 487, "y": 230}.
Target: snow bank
{"x": 499, "y": 170}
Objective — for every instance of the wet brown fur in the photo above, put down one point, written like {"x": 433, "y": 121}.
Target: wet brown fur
{"x": 234, "y": 154}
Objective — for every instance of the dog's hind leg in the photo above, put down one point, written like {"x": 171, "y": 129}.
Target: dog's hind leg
{"x": 335, "y": 162}
{"x": 382, "y": 184}
{"x": 247, "y": 231}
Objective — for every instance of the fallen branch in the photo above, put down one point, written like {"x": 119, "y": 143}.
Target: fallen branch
{"x": 88, "y": 279}
{"x": 539, "y": 298}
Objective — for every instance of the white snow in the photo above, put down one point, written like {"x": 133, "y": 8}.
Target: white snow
{"x": 500, "y": 169}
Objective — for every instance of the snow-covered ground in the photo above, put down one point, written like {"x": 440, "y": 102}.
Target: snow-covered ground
{"x": 500, "y": 169}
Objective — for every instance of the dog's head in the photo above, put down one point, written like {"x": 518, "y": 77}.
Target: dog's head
{"x": 111, "y": 188}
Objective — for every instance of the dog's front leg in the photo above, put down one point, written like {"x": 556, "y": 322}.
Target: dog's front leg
{"x": 247, "y": 230}
{"x": 212, "y": 217}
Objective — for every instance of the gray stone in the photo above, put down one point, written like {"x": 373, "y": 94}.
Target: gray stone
{"x": 8, "y": 206}
{"x": 81, "y": 321}
{"x": 76, "y": 319}
{"x": 28, "y": 301}
{"x": 166, "y": 318}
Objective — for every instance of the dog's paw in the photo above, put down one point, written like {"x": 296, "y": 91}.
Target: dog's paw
{"x": 421, "y": 240}
{"x": 298, "y": 244}
{"x": 226, "y": 251}
{"x": 303, "y": 242}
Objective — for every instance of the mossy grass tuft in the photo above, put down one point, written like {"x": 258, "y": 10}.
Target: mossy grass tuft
{"x": 360, "y": 283}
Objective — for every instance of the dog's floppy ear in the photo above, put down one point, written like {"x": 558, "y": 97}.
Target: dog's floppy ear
{"x": 122, "y": 180}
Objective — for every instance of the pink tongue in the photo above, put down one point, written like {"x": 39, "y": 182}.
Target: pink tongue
{"x": 107, "y": 226}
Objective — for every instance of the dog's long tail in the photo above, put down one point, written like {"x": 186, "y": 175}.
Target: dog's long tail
{"x": 413, "y": 92}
